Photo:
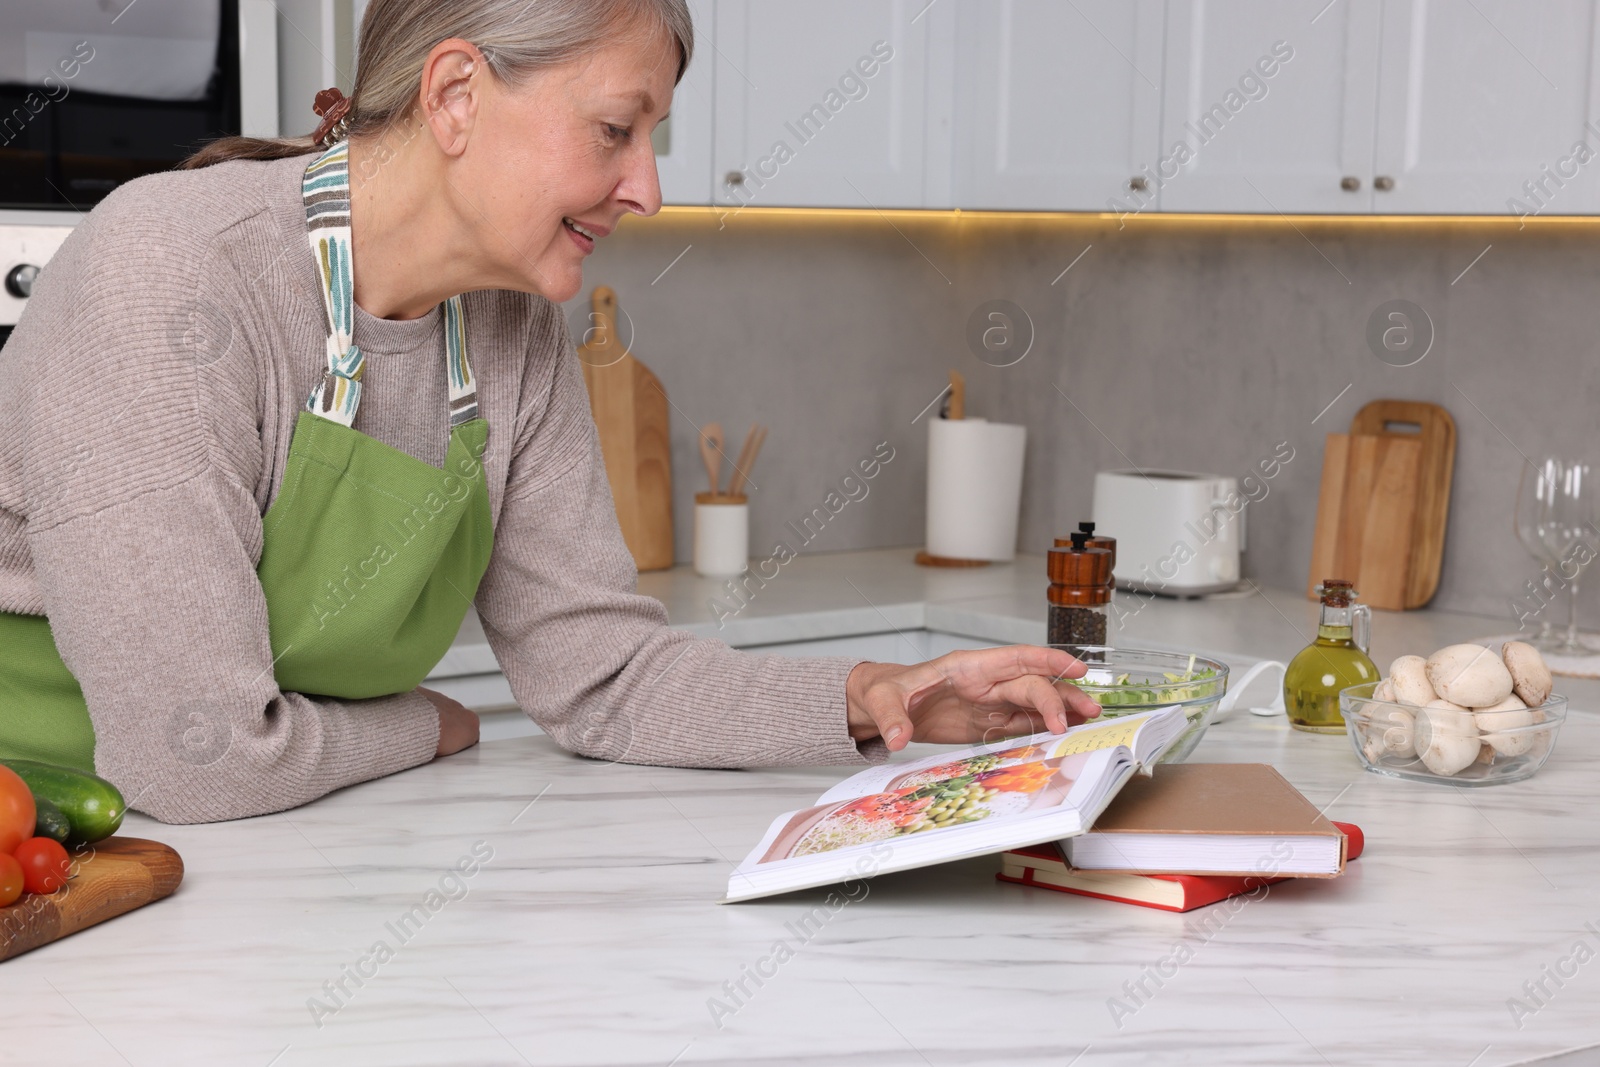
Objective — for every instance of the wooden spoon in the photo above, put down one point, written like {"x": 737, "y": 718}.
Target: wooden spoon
{"x": 711, "y": 452}
{"x": 747, "y": 457}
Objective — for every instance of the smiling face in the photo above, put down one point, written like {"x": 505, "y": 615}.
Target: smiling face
{"x": 552, "y": 164}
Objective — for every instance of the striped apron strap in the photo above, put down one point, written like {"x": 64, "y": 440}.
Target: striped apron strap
{"x": 326, "y": 192}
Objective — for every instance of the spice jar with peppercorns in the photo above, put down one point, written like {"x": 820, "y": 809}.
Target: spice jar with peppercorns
{"x": 1080, "y": 590}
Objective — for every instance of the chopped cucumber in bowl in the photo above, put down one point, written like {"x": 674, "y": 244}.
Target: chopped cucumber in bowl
{"x": 1124, "y": 681}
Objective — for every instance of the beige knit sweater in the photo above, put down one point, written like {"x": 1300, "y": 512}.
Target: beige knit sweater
{"x": 147, "y": 399}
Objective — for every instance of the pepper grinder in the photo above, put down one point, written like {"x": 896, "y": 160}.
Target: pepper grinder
{"x": 1079, "y": 592}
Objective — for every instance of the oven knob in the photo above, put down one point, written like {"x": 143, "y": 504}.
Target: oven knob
{"x": 19, "y": 280}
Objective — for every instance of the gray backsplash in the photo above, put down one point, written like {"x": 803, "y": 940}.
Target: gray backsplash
{"x": 1195, "y": 344}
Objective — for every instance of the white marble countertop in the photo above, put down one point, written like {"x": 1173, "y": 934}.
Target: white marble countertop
{"x": 590, "y": 933}
{"x": 840, "y": 594}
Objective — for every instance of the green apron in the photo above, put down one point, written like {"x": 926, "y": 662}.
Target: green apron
{"x": 370, "y": 557}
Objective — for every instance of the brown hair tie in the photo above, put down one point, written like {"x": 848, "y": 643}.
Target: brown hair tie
{"x": 334, "y": 107}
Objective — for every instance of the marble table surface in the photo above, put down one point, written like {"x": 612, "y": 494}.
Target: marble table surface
{"x": 587, "y": 930}
{"x": 515, "y": 904}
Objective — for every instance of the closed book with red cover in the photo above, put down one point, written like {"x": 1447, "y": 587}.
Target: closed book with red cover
{"x": 1045, "y": 867}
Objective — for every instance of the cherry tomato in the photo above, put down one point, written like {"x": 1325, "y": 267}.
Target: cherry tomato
{"x": 45, "y": 864}
{"x": 17, "y": 810}
{"x": 10, "y": 879}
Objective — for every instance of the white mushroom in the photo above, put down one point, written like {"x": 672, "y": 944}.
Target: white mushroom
{"x": 1372, "y": 746}
{"x": 1530, "y": 678}
{"x": 1485, "y": 753}
{"x": 1506, "y": 715}
{"x": 1396, "y": 729}
{"x": 1384, "y": 691}
{"x": 1446, "y": 737}
{"x": 1409, "y": 676}
{"x": 1401, "y": 736}
{"x": 1469, "y": 675}
{"x": 1539, "y": 741}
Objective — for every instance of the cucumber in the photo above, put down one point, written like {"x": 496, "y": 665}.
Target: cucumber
{"x": 92, "y": 805}
{"x": 50, "y": 822}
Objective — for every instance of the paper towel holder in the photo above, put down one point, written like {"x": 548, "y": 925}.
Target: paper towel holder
{"x": 953, "y": 411}
{"x": 954, "y": 407}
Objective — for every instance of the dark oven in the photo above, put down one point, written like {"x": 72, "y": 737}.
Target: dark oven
{"x": 94, "y": 93}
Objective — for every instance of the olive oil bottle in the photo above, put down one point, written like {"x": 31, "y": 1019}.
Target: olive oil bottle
{"x": 1336, "y": 660}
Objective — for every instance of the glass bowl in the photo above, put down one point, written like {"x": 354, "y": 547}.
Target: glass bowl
{"x": 1128, "y": 680}
{"x": 1509, "y": 748}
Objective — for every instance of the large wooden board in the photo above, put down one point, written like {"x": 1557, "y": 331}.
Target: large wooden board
{"x": 1384, "y": 502}
{"x": 629, "y": 406}
{"x": 113, "y": 877}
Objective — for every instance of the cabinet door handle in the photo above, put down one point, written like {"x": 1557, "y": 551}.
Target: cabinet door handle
{"x": 1138, "y": 183}
{"x": 19, "y": 281}
{"x": 1350, "y": 183}
{"x": 734, "y": 177}
{"x": 1383, "y": 183}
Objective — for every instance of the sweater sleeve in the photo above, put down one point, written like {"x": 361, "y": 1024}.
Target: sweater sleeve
{"x": 139, "y": 431}
{"x": 592, "y": 661}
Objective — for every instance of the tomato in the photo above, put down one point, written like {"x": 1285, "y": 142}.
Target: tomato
{"x": 10, "y": 879}
{"x": 16, "y": 810}
{"x": 45, "y": 864}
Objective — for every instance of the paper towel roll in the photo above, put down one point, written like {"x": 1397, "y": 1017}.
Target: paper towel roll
{"x": 974, "y": 488}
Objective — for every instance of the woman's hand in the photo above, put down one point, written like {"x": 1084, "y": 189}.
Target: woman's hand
{"x": 975, "y": 695}
{"x": 458, "y": 727}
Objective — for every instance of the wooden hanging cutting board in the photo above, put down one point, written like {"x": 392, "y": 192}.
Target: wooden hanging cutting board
{"x": 114, "y": 876}
{"x": 630, "y": 408}
{"x": 1384, "y": 503}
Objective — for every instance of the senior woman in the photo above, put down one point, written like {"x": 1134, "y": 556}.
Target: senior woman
{"x": 273, "y": 421}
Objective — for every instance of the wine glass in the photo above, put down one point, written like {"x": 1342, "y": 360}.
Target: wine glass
{"x": 1556, "y": 511}
{"x": 1532, "y": 505}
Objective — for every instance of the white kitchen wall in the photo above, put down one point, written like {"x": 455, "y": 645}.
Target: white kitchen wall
{"x": 1195, "y": 345}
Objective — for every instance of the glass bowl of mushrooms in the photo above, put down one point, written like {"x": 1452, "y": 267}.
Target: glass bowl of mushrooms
{"x": 1467, "y": 715}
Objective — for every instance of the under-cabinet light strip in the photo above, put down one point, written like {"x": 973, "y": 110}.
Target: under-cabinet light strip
{"x": 1143, "y": 218}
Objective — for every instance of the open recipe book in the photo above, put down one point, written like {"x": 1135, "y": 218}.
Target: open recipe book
{"x": 957, "y": 804}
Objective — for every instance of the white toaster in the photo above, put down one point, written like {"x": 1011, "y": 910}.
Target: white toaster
{"x": 1177, "y": 532}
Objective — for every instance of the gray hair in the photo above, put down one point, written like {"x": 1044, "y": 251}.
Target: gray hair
{"x": 517, "y": 38}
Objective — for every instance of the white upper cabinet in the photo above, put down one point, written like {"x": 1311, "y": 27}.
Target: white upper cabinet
{"x": 1057, "y": 105}
{"x": 1218, "y": 106}
{"x": 1482, "y": 105}
{"x": 826, "y": 103}
{"x": 683, "y": 141}
{"x": 1272, "y": 103}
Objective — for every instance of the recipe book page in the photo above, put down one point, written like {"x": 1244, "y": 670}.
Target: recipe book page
{"x": 969, "y": 802}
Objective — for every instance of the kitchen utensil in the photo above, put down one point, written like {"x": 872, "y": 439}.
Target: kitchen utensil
{"x": 1125, "y": 681}
{"x": 630, "y": 411}
{"x": 113, "y": 876}
{"x": 1384, "y": 501}
{"x": 1372, "y": 723}
{"x": 1153, "y": 512}
{"x": 711, "y": 452}
{"x": 1365, "y": 514}
{"x": 747, "y": 457}
{"x": 1078, "y": 597}
{"x": 1556, "y": 511}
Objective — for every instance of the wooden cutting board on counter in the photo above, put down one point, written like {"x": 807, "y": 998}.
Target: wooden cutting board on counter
{"x": 114, "y": 876}
{"x": 630, "y": 408}
{"x": 1384, "y": 503}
